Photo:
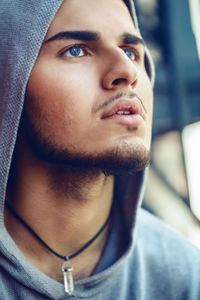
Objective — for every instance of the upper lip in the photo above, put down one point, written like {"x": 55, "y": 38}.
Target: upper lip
{"x": 132, "y": 105}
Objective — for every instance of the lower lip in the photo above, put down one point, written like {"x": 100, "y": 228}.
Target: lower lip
{"x": 133, "y": 120}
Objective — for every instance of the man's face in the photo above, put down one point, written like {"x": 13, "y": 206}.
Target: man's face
{"x": 89, "y": 98}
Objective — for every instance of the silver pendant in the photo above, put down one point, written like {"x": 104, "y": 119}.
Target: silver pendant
{"x": 67, "y": 269}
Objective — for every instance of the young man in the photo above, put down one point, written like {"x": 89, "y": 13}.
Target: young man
{"x": 76, "y": 114}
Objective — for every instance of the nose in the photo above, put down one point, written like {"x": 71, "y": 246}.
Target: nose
{"x": 120, "y": 71}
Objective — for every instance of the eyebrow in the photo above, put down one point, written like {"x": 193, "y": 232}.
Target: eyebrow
{"x": 132, "y": 39}
{"x": 88, "y": 36}
{"x": 75, "y": 35}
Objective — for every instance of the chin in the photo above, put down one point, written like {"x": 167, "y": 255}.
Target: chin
{"x": 126, "y": 159}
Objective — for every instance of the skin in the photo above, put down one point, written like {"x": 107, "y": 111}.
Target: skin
{"x": 64, "y": 107}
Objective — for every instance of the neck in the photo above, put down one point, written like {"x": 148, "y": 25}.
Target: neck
{"x": 66, "y": 207}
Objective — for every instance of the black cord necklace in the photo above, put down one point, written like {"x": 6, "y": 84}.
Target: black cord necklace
{"x": 67, "y": 267}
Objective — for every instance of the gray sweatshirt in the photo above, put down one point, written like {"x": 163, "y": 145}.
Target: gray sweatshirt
{"x": 154, "y": 262}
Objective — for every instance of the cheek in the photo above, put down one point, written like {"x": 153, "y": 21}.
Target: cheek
{"x": 145, "y": 91}
{"x": 59, "y": 101}
{"x": 146, "y": 94}
{"x": 60, "y": 82}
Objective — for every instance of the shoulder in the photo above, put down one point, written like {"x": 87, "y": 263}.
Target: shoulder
{"x": 165, "y": 260}
{"x": 156, "y": 237}
{"x": 154, "y": 232}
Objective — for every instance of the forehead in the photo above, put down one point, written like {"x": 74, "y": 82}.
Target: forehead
{"x": 104, "y": 15}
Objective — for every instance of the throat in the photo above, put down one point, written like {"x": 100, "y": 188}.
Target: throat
{"x": 79, "y": 184}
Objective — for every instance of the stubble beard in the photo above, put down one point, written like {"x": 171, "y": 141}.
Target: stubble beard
{"x": 123, "y": 158}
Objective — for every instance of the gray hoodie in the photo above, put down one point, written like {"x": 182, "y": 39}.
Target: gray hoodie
{"x": 156, "y": 265}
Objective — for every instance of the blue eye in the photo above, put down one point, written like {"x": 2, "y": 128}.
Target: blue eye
{"x": 130, "y": 53}
{"x": 74, "y": 51}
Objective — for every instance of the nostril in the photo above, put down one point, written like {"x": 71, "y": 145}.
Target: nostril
{"x": 118, "y": 81}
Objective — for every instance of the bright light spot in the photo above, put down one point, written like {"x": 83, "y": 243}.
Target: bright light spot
{"x": 191, "y": 144}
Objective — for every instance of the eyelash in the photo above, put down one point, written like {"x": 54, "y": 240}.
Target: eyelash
{"x": 86, "y": 51}
{"x": 134, "y": 51}
{"x": 84, "y": 48}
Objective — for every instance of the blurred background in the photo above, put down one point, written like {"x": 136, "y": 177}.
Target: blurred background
{"x": 171, "y": 30}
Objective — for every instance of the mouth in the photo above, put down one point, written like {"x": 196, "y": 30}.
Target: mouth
{"x": 125, "y": 112}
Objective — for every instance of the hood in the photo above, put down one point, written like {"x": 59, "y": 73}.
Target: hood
{"x": 23, "y": 26}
